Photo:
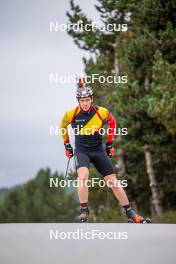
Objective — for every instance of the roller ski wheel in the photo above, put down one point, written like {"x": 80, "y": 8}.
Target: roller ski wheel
{"x": 139, "y": 220}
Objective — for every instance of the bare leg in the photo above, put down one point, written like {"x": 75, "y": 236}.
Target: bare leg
{"x": 117, "y": 189}
{"x": 83, "y": 175}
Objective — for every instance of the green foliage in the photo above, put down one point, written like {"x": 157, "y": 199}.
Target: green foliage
{"x": 3, "y": 192}
{"x": 36, "y": 201}
{"x": 167, "y": 217}
{"x": 162, "y": 100}
{"x": 146, "y": 105}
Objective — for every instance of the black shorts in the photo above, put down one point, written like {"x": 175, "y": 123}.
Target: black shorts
{"x": 99, "y": 158}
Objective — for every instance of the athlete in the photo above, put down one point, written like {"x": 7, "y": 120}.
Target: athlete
{"x": 89, "y": 119}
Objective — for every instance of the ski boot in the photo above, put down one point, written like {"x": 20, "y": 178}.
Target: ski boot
{"x": 137, "y": 219}
{"x": 84, "y": 214}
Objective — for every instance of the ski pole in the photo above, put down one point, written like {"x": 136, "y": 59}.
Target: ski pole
{"x": 75, "y": 166}
{"x": 67, "y": 169}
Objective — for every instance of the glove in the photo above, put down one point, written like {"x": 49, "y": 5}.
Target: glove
{"x": 110, "y": 149}
{"x": 68, "y": 150}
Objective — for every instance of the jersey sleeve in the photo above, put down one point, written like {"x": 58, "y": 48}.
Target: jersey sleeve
{"x": 64, "y": 127}
{"x": 66, "y": 121}
{"x": 108, "y": 118}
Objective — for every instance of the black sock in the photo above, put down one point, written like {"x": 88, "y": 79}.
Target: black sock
{"x": 84, "y": 208}
{"x": 129, "y": 211}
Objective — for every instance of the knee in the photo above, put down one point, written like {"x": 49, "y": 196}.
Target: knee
{"x": 83, "y": 174}
{"x": 83, "y": 177}
{"x": 112, "y": 181}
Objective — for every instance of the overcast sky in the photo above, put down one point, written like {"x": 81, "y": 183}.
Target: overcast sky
{"x": 29, "y": 103}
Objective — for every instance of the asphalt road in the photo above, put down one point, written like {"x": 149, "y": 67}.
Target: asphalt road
{"x": 87, "y": 243}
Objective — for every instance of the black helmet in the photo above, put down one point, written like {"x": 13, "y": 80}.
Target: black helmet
{"x": 84, "y": 92}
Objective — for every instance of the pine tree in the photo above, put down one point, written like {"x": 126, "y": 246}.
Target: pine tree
{"x": 146, "y": 104}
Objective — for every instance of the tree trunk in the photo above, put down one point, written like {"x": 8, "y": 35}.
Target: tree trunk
{"x": 153, "y": 184}
{"x": 120, "y": 165}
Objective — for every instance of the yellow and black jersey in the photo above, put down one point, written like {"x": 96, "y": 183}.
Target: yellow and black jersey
{"x": 86, "y": 126}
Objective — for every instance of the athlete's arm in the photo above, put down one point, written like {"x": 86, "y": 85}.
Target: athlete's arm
{"x": 63, "y": 128}
{"x": 112, "y": 125}
{"x": 64, "y": 132}
{"x": 111, "y": 131}
{"x": 110, "y": 120}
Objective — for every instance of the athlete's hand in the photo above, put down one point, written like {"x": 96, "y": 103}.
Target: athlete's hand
{"x": 68, "y": 150}
{"x": 110, "y": 149}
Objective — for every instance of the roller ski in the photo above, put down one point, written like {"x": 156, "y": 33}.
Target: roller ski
{"x": 134, "y": 218}
{"x": 139, "y": 220}
{"x": 84, "y": 215}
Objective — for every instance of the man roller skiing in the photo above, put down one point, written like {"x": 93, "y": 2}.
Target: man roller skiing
{"x": 89, "y": 149}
